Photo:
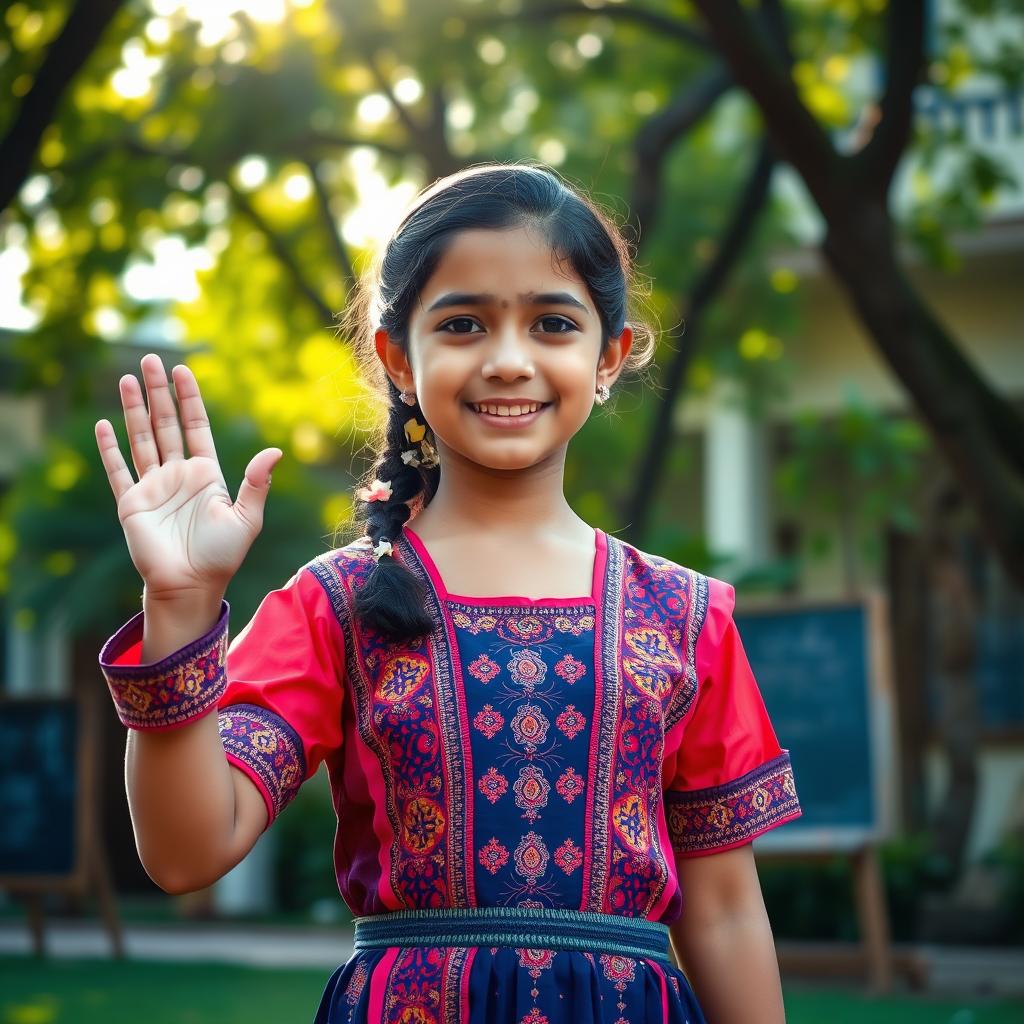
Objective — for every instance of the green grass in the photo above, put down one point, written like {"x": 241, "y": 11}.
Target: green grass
{"x": 105, "y": 992}
{"x": 95, "y": 991}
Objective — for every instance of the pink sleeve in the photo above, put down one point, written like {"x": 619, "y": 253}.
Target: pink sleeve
{"x": 280, "y": 714}
{"x": 277, "y": 687}
{"x": 731, "y": 781}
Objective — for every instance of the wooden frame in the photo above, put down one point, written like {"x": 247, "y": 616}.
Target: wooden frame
{"x": 873, "y": 958}
{"x": 90, "y": 871}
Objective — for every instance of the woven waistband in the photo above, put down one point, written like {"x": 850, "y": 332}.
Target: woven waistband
{"x": 514, "y": 926}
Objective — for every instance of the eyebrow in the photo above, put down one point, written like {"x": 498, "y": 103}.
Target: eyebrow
{"x": 527, "y": 299}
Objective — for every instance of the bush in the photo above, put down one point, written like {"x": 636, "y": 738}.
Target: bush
{"x": 814, "y": 900}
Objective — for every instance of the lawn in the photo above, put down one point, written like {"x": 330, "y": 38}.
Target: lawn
{"x": 95, "y": 991}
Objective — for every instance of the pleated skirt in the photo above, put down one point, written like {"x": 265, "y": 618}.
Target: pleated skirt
{"x": 508, "y": 966}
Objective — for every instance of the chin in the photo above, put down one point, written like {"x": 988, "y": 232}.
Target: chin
{"x": 508, "y": 461}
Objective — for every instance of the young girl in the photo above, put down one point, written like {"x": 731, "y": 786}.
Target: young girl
{"x": 541, "y": 741}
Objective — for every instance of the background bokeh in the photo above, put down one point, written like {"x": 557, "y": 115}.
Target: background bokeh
{"x": 825, "y": 199}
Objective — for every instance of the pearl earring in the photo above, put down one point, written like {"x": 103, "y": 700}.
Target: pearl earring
{"x": 409, "y": 397}
{"x": 603, "y": 394}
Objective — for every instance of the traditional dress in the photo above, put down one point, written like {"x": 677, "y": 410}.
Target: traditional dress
{"x": 512, "y": 791}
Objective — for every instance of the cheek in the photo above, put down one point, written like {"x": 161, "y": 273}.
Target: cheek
{"x": 574, "y": 376}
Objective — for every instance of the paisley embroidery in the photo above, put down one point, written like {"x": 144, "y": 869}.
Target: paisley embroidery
{"x": 531, "y": 790}
{"x": 569, "y": 785}
{"x": 571, "y": 722}
{"x": 530, "y": 726}
{"x": 494, "y": 856}
{"x": 483, "y": 668}
{"x": 527, "y": 669}
{"x": 488, "y": 721}
{"x": 493, "y": 784}
{"x": 570, "y": 669}
{"x": 568, "y": 856}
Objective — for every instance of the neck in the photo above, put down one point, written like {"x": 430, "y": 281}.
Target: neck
{"x": 518, "y": 503}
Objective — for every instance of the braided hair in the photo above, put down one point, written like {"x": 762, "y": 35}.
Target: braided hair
{"x": 495, "y": 196}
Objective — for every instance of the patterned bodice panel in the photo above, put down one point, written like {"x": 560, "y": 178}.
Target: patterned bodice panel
{"x": 513, "y": 757}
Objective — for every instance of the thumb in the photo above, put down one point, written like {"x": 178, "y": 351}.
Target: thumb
{"x": 252, "y": 494}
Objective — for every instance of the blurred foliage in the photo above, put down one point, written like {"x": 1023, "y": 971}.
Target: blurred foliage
{"x": 304, "y": 850}
{"x": 814, "y": 900}
{"x": 218, "y": 173}
{"x": 861, "y": 469}
{"x": 1008, "y": 857}
{"x": 63, "y": 548}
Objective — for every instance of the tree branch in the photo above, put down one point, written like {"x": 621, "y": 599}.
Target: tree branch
{"x": 661, "y": 131}
{"x": 734, "y": 240}
{"x": 313, "y": 139}
{"x": 429, "y": 139}
{"x": 304, "y": 145}
{"x": 759, "y": 66}
{"x": 323, "y": 204}
{"x": 78, "y": 38}
{"x": 674, "y": 28}
{"x": 283, "y": 254}
{"x": 877, "y": 161}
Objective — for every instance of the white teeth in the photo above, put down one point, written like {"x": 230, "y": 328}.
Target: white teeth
{"x": 507, "y": 410}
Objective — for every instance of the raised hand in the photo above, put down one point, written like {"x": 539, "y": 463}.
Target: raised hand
{"x": 184, "y": 534}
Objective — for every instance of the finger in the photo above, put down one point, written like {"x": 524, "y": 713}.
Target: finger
{"x": 140, "y": 427}
{"x": 162, "y": 410}
{"x": 118, "y": 475}
{"x": 198, "y": 435}
{"x": 252, "y": 495}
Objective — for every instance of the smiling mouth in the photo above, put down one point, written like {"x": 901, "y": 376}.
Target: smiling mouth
{"x": 507, "y": 411}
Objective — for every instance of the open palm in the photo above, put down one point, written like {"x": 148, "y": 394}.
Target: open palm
{"x": 183, "y": 532}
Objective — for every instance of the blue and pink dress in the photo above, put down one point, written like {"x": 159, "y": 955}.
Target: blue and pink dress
{"x": 512, "y": 792}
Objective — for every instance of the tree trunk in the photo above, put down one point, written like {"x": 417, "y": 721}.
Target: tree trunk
{"x": 954, "y": 609}
{"x": 979, "y": 433}
{"x": 908, "y": 593}
{"x": 80, "y": 35}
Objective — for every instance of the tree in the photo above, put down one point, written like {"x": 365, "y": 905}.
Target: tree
{"x": 978, "y": 430}
{"x": 452, "y": 84}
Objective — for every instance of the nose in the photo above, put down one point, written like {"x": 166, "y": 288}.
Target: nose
{"x": 508, "y": 356}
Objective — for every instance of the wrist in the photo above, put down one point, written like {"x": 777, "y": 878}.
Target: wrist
{"x": 170, "y": 624}
{"x": 166, "y": 673}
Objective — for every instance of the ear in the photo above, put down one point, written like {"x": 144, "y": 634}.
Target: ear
{"x": 609, "y": 366}
{"x": 392, "y": 355}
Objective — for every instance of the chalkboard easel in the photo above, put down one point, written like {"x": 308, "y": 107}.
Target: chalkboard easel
{"x": 824, "y": 670}
{"x": 50, "y": 841}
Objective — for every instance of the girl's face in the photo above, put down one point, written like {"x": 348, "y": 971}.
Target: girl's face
{"x": 501, "y": 324}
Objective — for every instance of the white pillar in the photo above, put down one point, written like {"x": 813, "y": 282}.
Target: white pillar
{"x": 737, "y": 512}
{"x": 248, "y": 888}
{"x": 38, "y": 659}
{"x": 54, "y": 657}
{"x": 20, "y": 668}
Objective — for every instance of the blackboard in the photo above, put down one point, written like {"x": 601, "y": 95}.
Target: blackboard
{"x": 998, "y": 660}
{"x": 39, "y": 798}
{"x": 998, "y": 657}
{"x": 821, "y": 669}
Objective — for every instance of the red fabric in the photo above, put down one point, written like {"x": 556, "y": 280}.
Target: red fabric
{"x": 728, "y": 732}
{"x": 289, "y": 660}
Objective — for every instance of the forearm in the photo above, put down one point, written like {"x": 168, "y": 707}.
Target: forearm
{"x": 179, "y": 783}
{"x": 714, "y": 954}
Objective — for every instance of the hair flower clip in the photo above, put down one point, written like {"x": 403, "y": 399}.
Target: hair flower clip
{"x": 430, "y": 456}
{"x": 379, "y": 490}
{"x": 381, "y": 549}
{"x": 414, "y": 430}
{"x": 409, "y": 457}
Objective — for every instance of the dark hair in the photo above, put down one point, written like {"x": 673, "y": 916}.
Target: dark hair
{"x": 498, "y": 196}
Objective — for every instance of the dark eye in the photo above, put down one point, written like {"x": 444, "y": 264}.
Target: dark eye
{"x": 564, "y": 326}
{"x": 456, "y": 320}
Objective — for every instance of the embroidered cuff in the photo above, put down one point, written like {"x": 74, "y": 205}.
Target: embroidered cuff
{"x": 170, "y": 692}
{"x": 267, "y": 749}
{"x": 716, "y": 818}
